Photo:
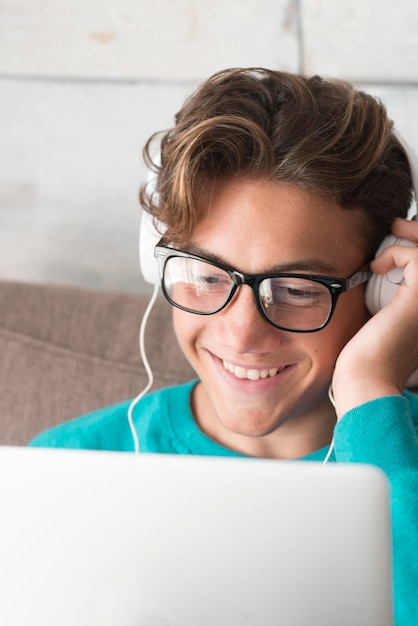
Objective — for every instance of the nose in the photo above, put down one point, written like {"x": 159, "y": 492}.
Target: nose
{"x": 245, "y": 328}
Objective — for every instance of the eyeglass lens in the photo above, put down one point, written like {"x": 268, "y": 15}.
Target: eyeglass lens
{"x": 290, "y": 302}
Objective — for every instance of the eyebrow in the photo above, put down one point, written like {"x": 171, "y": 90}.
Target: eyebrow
{"x": 311, "y": 265}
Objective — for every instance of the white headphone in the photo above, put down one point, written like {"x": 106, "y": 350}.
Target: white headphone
{"x": 148, "y": 239}
{"x": 149, "y": 236}
{"x": 380, "y": 289}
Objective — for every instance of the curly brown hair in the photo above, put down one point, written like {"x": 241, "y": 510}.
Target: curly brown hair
{"x": 320, "y": 135}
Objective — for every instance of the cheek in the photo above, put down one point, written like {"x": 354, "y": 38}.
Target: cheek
{"x": 186, "y": 327}
{"x": 325, "y": 346}
{"x": 350, "y": 315}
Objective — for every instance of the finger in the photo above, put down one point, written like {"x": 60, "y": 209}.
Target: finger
{"x": 395, "y": 256}
{"x": 405, "y": 229}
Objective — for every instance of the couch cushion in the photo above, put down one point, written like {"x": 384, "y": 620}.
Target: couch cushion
{"x": 67, "y": 351}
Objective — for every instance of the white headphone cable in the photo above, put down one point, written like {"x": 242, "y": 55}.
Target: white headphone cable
{"x": 331, "y": 447}
{"x": 146, "y": 366}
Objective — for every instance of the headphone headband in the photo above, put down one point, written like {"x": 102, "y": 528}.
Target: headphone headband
{"x": 413, "y": 164}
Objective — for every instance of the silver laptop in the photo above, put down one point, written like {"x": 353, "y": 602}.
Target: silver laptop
{"x": 116, "y": 539}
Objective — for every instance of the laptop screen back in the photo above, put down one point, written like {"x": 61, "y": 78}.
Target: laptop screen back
{"x": 115, "y": 539}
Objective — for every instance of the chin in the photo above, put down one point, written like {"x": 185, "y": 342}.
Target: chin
{"x": 250, "y": 429}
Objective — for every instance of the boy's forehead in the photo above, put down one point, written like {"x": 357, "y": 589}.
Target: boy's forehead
{"x": 307, "y": 265}
{"x": 294, "y": 229}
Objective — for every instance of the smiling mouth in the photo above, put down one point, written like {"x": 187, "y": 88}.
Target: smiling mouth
{"x": 251, "y": 374}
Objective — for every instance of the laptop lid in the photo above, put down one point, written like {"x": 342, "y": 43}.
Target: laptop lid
{"x": 117, "y": 539}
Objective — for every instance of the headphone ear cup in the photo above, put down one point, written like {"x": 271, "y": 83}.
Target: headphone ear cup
{"x": 148, "y": 239}
{"x": 149, "y": 235}
{"x": 381, "y": 288}
{"x": 372, "y": 295}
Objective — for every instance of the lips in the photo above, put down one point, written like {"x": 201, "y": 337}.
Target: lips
{"x": 251, "y": 374}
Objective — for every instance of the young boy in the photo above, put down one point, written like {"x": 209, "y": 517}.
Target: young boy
{"x": 274, "y": 192}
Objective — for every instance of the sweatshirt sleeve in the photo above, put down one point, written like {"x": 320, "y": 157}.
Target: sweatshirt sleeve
{"x": 384, "y": 433}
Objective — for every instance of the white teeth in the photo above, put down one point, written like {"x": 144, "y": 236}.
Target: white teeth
{"x": 251, "y": 374}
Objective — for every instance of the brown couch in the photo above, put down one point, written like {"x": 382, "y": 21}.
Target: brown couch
{"x": 67, "y": 351}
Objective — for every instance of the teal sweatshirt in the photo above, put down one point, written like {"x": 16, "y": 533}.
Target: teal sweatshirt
{"x": 383, "y": 433}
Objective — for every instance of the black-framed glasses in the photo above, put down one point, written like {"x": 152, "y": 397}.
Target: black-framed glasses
{"x": 301, "y": 303}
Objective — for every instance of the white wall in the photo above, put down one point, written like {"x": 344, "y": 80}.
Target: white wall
{"x": 83, "y": 83}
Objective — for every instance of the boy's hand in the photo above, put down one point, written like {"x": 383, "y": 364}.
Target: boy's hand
{"x": 381, "y": 357}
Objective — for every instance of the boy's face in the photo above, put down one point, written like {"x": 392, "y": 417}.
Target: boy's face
{"x": 254, "y": 227}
